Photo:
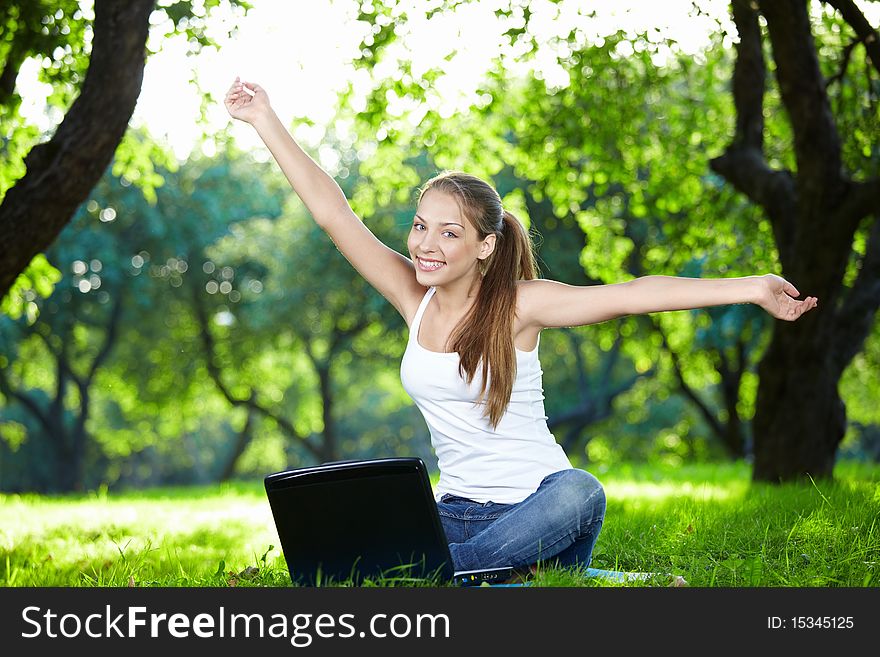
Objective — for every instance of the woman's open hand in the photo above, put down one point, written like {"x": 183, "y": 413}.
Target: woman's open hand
{"x": 246, "y": 101}
{"x": 777, "y": 298}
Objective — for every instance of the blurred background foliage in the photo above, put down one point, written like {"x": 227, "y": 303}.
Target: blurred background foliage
{"x": 192, "y": 324}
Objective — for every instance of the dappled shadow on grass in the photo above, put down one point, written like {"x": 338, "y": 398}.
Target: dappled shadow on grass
{"x": 707, "y": 523}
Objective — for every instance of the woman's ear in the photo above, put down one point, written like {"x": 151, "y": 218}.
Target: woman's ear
{"x": 487, "y": 246}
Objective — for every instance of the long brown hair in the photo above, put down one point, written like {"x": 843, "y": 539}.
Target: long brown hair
{"x": 484, "y": 337}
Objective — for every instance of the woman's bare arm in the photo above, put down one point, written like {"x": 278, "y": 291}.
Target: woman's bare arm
{"x": 546, "y": 304}
{"x": 390, "y": 272}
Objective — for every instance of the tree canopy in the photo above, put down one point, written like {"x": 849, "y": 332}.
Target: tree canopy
{"x": 94, "y": 63}
{"x": 191, "y": 321}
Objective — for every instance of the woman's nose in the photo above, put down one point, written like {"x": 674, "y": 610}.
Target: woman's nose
{"x": 429, "y": 241}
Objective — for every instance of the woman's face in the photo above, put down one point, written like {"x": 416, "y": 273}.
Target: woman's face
{"x": 443, "y": 244}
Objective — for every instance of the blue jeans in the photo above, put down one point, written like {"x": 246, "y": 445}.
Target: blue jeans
{"x": 559, "y": 523}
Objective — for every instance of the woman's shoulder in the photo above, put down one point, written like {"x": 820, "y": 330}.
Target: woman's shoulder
{"x": 537, "y": 297}
{"x": 530, "y": 291}
{"x": 528, "y": 295}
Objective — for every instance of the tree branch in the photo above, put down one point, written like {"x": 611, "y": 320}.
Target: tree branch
{"x": 62, "y": 359}
{"x": 844, "y": 64}
{"x": 61, "y": 172}
{"x": 746, "y": 169}
{"x": 340, "y": 335}
{"x": 14, "y": 59}
{"x": 109, "y": 339}
{"x": 245, "y": 436}
{"x": 855, "y": 318}
{"x": 250, "y": 402}
{"x": 580, "y": 368}
{"x": 802, "y": 87}
{"x": 44, "y": 331}
{"x": 749, "y": 78}
{"x": 743, "y": 164}
{"x": 862, "y": 199}
{"x": 857, "y": 21}
{"x": 587, "y": 412}
{"x": 592, "y": 408}
{"x": 690, "y": 393}
{"x": 25, "y": 400}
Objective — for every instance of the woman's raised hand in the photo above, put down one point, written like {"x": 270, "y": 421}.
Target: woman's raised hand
{"x": 246, "y": 101}
{"x": 777, "y": 298}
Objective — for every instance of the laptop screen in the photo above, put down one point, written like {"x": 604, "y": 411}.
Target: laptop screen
{"x": 347, "y": 521}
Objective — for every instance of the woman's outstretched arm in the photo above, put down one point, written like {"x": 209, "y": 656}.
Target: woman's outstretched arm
{"x": 391, "y": 273}
{"x": 546, "y": 304}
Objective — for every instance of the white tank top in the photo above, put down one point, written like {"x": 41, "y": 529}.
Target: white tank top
{"x": 504, "y": 464}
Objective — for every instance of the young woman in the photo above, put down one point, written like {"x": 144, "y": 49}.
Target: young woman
{"x": 469, "y": 292}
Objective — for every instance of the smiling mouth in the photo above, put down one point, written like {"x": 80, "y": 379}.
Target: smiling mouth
{"x": 429, "y": 265}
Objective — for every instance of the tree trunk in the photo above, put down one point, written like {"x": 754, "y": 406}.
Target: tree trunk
{"x": 62, "y": 172}
{"x": 79, "y": 439}
{"x": 815, "y": 211}
{"x": 798, "y": 439}
{"x": 245, "y": 436}
{"x": 328, "y": 442}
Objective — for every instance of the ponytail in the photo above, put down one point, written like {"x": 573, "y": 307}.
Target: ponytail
{"x": 484, "y": 338}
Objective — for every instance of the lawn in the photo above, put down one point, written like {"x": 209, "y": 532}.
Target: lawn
{"x": 708, "y": 523}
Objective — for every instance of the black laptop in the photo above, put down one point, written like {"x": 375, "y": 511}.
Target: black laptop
{"x": 352, "y": 520}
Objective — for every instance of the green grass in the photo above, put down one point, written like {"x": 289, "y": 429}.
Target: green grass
{"x": 706, "y": 523}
